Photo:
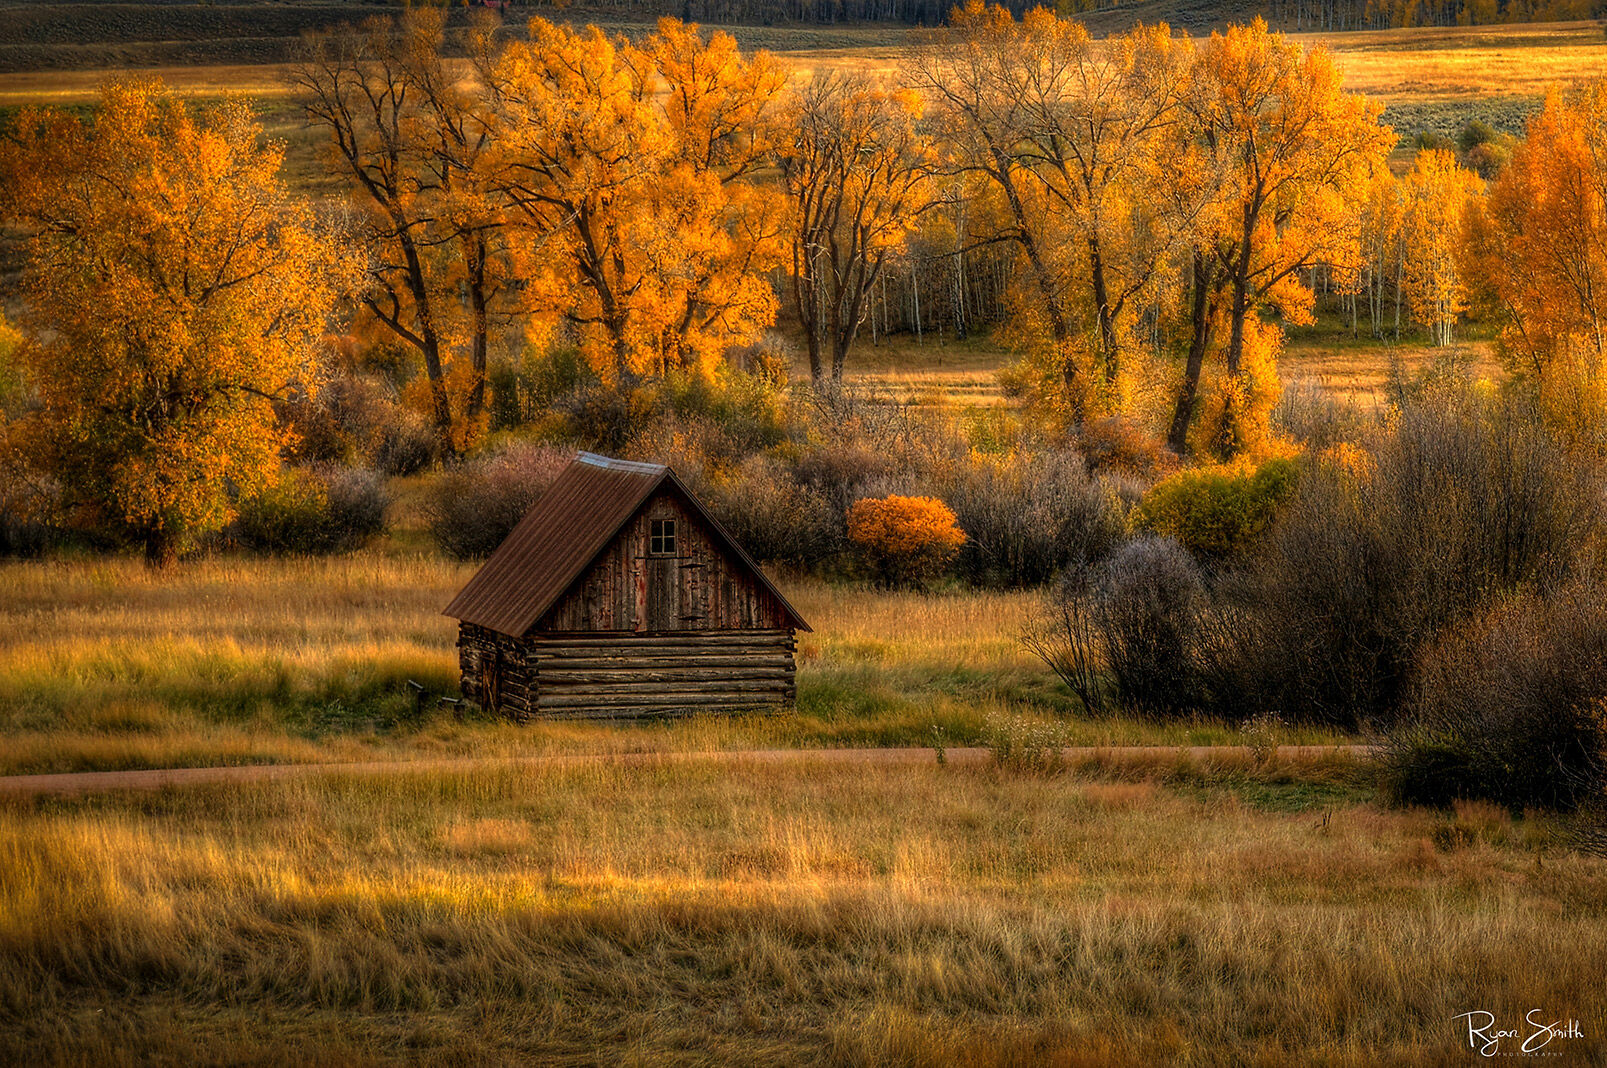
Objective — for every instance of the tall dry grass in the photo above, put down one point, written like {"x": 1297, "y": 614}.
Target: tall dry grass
{"x": 104, "y": 665}
{"x": 699, "y": 914}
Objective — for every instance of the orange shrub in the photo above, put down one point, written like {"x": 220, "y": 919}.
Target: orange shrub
{"x": 906, "y": 540}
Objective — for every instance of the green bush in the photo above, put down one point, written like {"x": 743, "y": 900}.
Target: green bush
{"x": 1217, "y": 514}
{"x": 317, "y": 509}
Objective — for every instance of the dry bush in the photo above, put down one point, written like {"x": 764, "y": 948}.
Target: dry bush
{"x": 345, "y": 422}
{"x": 1311, "y": 414}
{"x": 320, "y": 508}
{"x": 1463, "y": 501}
{"x": 1512, "y": 709}
{"x": 475, "y": 505}
{"x": 1028, "y": 516}
{"x": 774, "y": 517}
{"x": 907, "y": 541}
{"x": 1129, "y": 632}
{"x": 1119, "y": 445}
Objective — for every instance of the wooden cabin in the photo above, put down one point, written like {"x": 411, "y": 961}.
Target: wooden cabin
{"x": 619, "y": 595}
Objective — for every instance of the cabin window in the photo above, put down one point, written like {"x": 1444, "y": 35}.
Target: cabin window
{"x": 662, "y": 542}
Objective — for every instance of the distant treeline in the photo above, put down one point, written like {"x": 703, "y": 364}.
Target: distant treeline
{"x": 1294, "y": 15}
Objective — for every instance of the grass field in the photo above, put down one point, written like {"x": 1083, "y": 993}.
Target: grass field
{"x": 594, "y": 914}
{"x": 104, "y": 665}
{"x": 1231, "y": 910}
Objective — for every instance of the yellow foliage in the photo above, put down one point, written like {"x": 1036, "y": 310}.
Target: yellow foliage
{"x": 174, "y": 290}
{"x": 627, "y": 172}
{"x": 1437, "y": 197}
{"x": 1235, "y": 418}
{"x": 907, "y": 540}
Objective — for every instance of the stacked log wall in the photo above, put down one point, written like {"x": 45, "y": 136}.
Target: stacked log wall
{"x": 590, "y": 675}
{"x": 496, "y": 672}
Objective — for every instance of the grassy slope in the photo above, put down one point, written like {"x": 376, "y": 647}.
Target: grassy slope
{"x": 701, "y": 915}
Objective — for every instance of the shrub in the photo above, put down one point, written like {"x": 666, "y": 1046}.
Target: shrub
{"x": 1027, "y": 516}
{"x": 1311, "y": 415}
{"x": 1129, "y": 631}
{"x": 408, "y": 444}
{"x": 1119, "y": 445}
{"x": 772, "y": 516}
{"x": 317, "y": 509}
{"x": 1149, "y": 598}
{"x": 905, "y": 540}
{"x": 1463, "y": 502}
{"x": 1512, "y": 709}
{"x": 474, "y": 506}
{"x": 1217, "y": 513}
{"x": 344, "y": 423}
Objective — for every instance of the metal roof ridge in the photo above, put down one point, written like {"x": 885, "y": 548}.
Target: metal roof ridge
{"x": 635, "y": 467}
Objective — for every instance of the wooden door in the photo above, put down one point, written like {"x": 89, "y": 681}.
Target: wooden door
{"x": 663, "y": 593}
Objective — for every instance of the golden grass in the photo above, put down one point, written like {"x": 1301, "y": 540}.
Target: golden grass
{"x": 105, "y": 665}
{"x": 1458, "y": 63}
{"x": 698, "y": 914}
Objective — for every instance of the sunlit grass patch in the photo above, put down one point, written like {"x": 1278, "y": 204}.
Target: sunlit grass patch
{"x": 785, "y": 914}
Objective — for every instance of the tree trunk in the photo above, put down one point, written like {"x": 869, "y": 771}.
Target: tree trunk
{"x": 481, "y": 322}
{"x": 1203, "y": 323}
{"x": 1107, "y": 319}
{"x": 161, "y": 549}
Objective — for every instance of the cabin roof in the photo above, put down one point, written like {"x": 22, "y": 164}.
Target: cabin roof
{"x": 564, "y": 533}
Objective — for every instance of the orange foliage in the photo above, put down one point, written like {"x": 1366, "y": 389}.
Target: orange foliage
{"x": 626, "y": 170}
{"x": 174, "y": 290}
{"x": 1542, "y": 243}
{"x": 907, "y": 540}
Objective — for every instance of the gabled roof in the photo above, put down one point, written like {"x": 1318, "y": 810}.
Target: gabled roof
{"x": 565, "y": 532}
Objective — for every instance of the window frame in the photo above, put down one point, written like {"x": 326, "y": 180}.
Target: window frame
{"x": 662, "y": 537}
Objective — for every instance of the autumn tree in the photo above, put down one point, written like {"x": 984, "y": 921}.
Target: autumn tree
{"x": 1436, "y": 198}
{"x": 1379, "y": 255}
{"x": 627, "y": 172}
{"x": 1292, "y": 152}
{"x": 174, "y": 289}
{"x": 1541, "y": 243}
{"x": 410, "y": 139}
{"x": 852, "y": 165}
{"x": 1079, "y": 142}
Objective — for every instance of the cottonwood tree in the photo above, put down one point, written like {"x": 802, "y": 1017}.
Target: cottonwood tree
{"x": 627, "y": 173}
{"x": 1437, "y": 196}
{"x": 411, "y": 140}
{"x": 1081, "y": 143}
{"x": 174, "y": 290}
{"x": 1293, "y": 153}
{"x": 852, "y": 165}
{"x": 1541, "y": 243}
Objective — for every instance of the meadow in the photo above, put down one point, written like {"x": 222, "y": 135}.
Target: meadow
{"x": 229, "y": 660}
{"x": 1025, "y": 909}
{"x": 1184, "y": 912}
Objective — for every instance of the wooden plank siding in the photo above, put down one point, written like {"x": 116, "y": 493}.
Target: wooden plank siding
{"x": 699, "y": 588}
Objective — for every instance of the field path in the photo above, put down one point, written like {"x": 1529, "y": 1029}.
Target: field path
{"x": 83, "y": 782}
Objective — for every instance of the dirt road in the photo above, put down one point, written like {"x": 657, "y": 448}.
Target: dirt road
{"x": 82, "y": 782}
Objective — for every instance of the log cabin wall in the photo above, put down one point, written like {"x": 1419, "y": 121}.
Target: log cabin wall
{"x": 590, "y": 675}
{"x": 496, "y": 672}
{"x": 699, "y": 587}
